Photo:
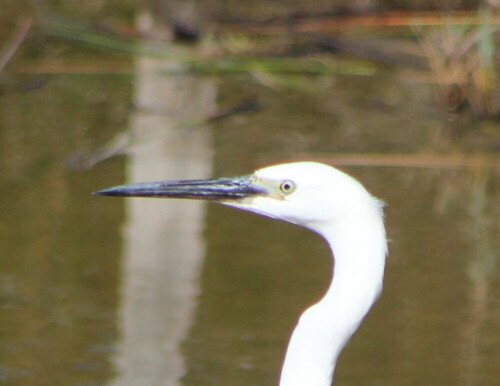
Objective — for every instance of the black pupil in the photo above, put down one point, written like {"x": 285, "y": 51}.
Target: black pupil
{"x": 286, "y": 186}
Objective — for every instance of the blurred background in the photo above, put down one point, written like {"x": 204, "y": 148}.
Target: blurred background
{"x": 401, "y": 94}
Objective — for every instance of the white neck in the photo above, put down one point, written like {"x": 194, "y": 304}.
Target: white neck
{"x": 359, "y": 247}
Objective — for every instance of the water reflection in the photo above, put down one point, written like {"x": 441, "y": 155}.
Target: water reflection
{"x": 163, "y": 243}
{"x": 212, "y": 294}
{"x": 481, "y": 271}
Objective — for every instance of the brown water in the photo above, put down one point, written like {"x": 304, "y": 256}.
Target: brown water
{"x": 108, "y": 291}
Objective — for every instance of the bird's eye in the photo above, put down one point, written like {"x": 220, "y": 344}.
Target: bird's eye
{"x": 287, "y": 187}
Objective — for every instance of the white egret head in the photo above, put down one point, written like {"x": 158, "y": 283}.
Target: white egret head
{"x": 305, "y": 193}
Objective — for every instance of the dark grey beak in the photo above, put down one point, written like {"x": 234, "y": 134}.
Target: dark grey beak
{"x": 216, "y": 189}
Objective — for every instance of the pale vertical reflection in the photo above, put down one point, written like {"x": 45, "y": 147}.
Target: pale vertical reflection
{"x": 163, "y": 243}
{"x": 481, "y": 272}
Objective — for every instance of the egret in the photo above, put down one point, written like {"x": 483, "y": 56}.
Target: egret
{"x": 328, "y": 202}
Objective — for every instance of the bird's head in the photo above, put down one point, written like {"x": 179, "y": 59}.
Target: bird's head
{"x": 304, "y": 193}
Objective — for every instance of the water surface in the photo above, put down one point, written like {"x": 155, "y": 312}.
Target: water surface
{"x": 96, "y": 290}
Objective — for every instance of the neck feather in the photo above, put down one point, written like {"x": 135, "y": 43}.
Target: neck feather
{"x": 359, "y": 247}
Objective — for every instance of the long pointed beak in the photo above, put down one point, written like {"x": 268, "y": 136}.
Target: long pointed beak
{"x": 215, "y": 189}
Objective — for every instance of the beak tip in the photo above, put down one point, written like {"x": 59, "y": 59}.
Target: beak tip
{"x": 105, "y": 192}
